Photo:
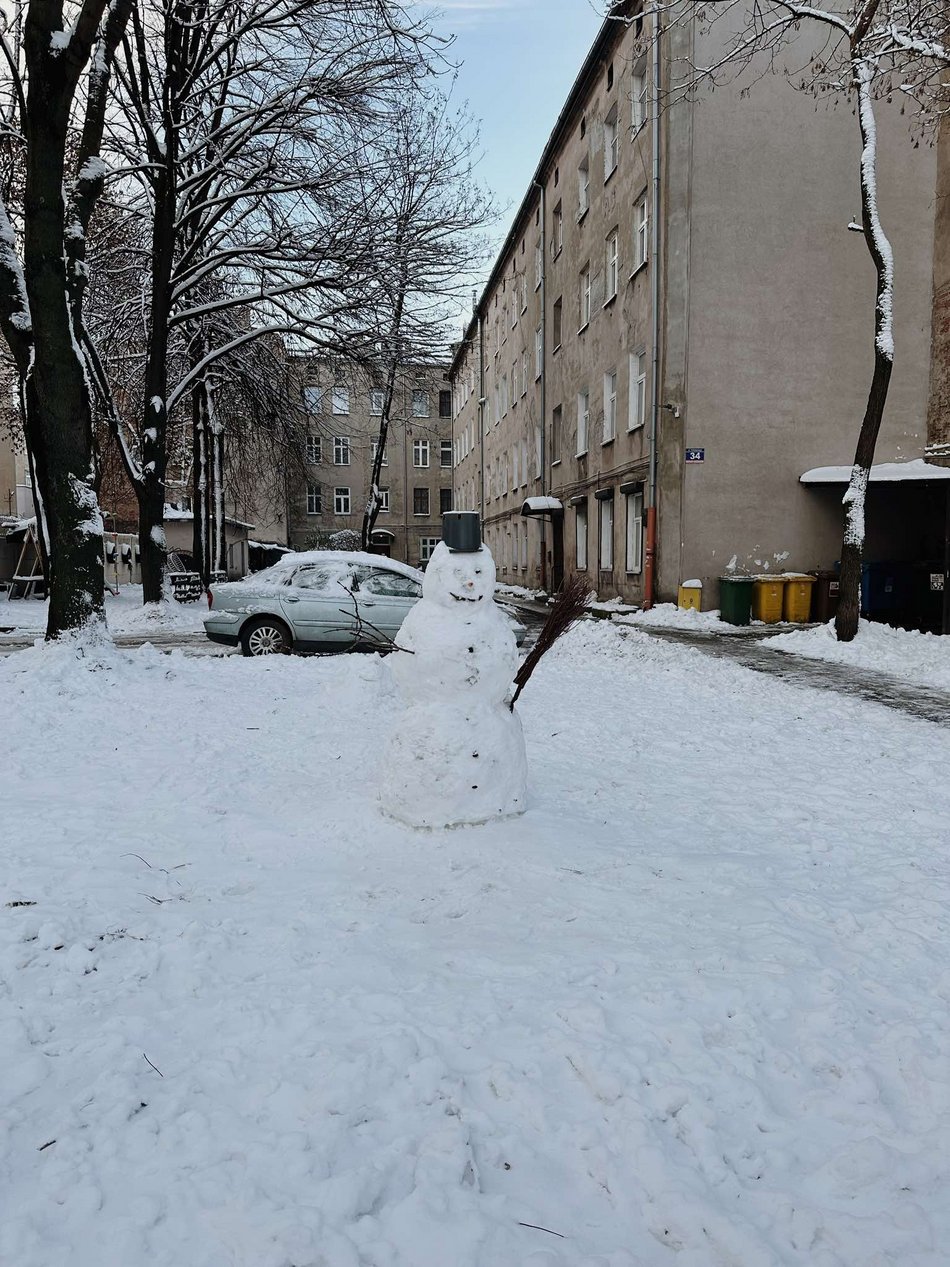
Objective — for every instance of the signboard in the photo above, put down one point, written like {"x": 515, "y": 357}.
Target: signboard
{"x": 936, "y": 581}
{"x": 695, "y": 455}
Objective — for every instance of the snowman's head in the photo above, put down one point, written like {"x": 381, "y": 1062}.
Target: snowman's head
{"x": 455, "y": 579}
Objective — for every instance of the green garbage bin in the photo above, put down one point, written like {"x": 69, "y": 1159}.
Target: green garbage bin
{"x": 735, "y": 599}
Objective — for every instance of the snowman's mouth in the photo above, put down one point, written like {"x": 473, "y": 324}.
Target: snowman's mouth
{"x": 467, "y": 598}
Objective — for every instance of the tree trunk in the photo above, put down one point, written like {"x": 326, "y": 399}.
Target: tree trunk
{"x": 58, "y": 422}
{"x": 852, "y": 546}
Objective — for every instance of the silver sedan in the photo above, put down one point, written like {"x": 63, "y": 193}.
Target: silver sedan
{"x": 319, "y": 600}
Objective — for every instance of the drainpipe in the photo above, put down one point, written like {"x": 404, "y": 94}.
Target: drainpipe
{"x": 649, "y": 572}
{"x": 544, "y": 378}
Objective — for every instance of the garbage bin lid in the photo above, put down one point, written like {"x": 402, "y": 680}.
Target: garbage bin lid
{"x": 742, "y": 580}
{"x": 798, "y": 576}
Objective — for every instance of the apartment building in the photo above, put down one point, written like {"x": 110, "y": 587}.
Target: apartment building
{"x": 344, "y": 405}
{"x": 677, "y": 329}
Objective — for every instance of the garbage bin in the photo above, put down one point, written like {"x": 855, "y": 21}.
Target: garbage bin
{"x": 767, "y": 595}
{"x": 797, "y": 604}
{"x": 690, "y": 595}
{"x": 735, "y": 599}
{"x": 827, "y": 591}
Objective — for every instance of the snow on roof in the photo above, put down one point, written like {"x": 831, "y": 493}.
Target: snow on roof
{"x": 541, "y": 505}
{"x": 883, "y": 473}
{"x": 172, "y": 512}
{"x": 269, "y": 545}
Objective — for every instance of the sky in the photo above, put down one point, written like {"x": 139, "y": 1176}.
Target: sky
{"x": 517, "y": 60}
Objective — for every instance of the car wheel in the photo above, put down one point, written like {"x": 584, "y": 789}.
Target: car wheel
{"x": 265, "y": 636}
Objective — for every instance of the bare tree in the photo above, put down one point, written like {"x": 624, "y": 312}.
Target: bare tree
{"x": 429, "y": 211}
{"x": 240, "y": 123}
{"x": 866, "y": 49}
{"x": 54, "y": 81}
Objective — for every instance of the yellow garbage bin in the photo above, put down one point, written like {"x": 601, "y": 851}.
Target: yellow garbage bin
{"x": 767, "y": 595}
{"x": 798, "y": 588}
{"x": 690, "y": 595}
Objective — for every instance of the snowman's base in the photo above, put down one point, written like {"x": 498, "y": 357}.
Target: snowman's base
{"x": 448, "y": 767}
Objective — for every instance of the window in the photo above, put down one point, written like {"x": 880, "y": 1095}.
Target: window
{"x": 641, "y": 233}
{"x": 341, "y": 501}
{"x": 556, "y": 419}
{"x": 314, "y": 500}
{"x": 514, "y": 466}
{"x": 557, "y": 230}
{"x": 341, "y": 450}
{"x": 420, "y": 501}
{"x": 610, "y": 405}
{"x": 524, "y": 373}
{"x": 611, "y": 143}
{"x": 313, "y": 398}
{"x": 376, "y": 403}
{"x": 638, "y": 390}
{"x": 315, "y": 578}
{"x": 612, "y": 268}
{"x": 314, "y": 449}
{"x": 426, "y": 546}
{"x": 583, "y": 421}
{"x": 524, "y": 462}
{"x": 445, "y": 453}
{"x": 633, "y": 561}
{"x": 524, "y": 546}
{"x": 390, "y": 585}
{"x": 580, "y": 536}
{"x": 538, "y": 352}
{"x": 384, "y": 500}
{"x": 445, "y": 403}
{"x": 606, "y": 534}
{"x": 610, "y": 76}
{"x": 556, "y": 323}
{"x": 524, "y": 292}
{"x": 538, "y": 264}
{"x": 583, "y": 188}
{"x": 341, "y": 399}
{"x": 585, "y": 297}
{"x": 420, "y": 453}
{"x": 385, "y": 461}
{"x": 445, "y": 500}
{"x": 420, "y": 403}
{"x": 638, "y": 97}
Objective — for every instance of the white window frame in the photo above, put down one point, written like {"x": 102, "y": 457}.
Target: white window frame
{"x": 581, "y": 529}
{"x": 420, "y": 455}
{"x": 557, "y": 433}
{"x": 524, "y": 373}
{"x": 610, "y": 406}
{"x": 605, "y": 550}
{"x": 641, "y": 232}
{"x": 314, "y": 499}
{"x": 612, "y": 267}
{"x": 313, "y": 398}
{"x": 585, "y": 294}
{"x": 638, "y": 390}
{"x": 445, "y": 451}
{"x": 538, "y": 264}
{"x": 420, "y": 403}
{"x": 538, "y": 352}
{"x": 611, "y": 143}
{"x": 633, "y": 544}
{"x": 583, "y": 188}
{"x": 638, "y": 96}
{"x": 557, "y": 230}
{"x": 341, "y": 450}
{"x": 376, "y": 401}
{"x": 340, "y": 399}
{"x": 342, "y": 501}
{"x": 314, "y": 449}
{"x": 583, "y": 421}
{"x": 385, "y": 461}
{"x": 524, "y": 463}
{"x": 384, "y": 501}
{"x": 426, "y": 546}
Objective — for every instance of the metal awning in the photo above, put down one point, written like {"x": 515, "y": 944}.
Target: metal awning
{"x": 542, "y": 506}
{"x": 383, "y": 534}
{"x": 917, "y": 471}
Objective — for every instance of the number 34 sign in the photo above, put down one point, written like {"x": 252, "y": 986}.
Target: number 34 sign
{"x": 695, "y": 455}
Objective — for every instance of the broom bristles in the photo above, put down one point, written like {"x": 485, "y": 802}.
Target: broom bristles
{"x": 569, "y": 606}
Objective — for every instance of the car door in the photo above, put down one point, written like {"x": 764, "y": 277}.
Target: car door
{"x": 382, "y": 599}
{"x": 318, "y": 605}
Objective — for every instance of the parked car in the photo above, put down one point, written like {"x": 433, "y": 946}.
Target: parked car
{"x": 317, "y": 600}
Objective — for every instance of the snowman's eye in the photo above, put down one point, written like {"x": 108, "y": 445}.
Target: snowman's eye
{"x": 478, "y": 571}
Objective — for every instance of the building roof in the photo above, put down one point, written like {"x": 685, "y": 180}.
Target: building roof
{"x": 611, "y": 28}
{"x": 916, "y": 470}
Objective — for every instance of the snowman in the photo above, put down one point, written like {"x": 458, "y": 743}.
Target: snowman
{"x": 456, "y": 755}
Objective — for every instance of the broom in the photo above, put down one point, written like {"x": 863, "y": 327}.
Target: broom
{"x": 569, "y": 606}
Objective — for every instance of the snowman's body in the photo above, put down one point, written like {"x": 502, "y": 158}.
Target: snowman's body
{"x": 457, "y": 752}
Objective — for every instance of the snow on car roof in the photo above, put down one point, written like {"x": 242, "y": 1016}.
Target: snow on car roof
{"x": 345, "y": 558}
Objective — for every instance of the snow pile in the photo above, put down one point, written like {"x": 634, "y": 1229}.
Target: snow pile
{"x": 921, "y": 658}
{"x": 687, "y": 1009}
{"x": 522, "y": 591}
{"x": 669, "y": 616}
{"x": 456, "y": 753}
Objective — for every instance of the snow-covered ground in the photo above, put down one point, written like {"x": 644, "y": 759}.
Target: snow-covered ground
{"x": 125, "y": 614}
{"x": 691, "y": 1009}
{"x": 669, "y": 616}
{"x": 921, "y": 658}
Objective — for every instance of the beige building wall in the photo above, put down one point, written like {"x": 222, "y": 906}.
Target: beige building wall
{"x": 343, "y": 404}
{"x": 938, "y": 413}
